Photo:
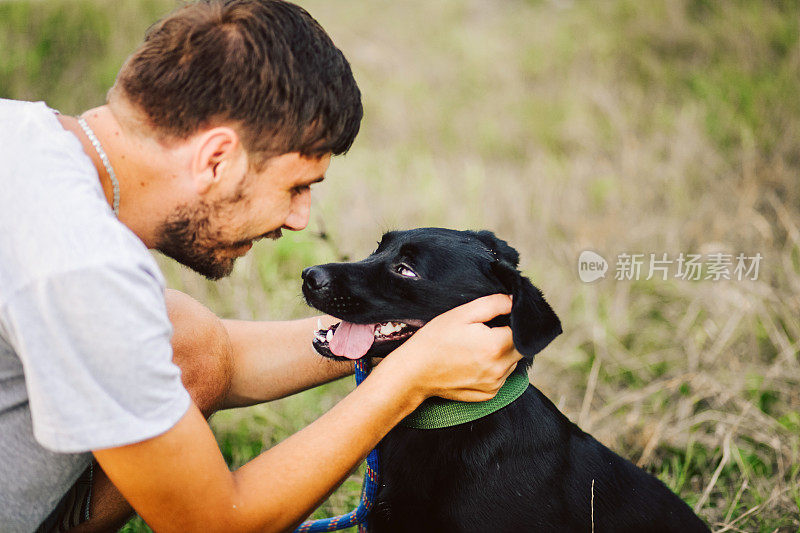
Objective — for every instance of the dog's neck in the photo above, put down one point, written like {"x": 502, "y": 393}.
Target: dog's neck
{"x": 436, "y": 413}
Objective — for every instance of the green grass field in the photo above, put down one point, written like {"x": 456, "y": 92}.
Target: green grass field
{"x": 621, "y": 126}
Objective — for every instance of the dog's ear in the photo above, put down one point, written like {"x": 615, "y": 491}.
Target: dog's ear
{"x": 499, "y": 248}
{"x": 533, "y": 322}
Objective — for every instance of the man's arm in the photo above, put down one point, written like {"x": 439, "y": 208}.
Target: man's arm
{"x": 178, "y": 481}
{"x": 275, "y": 359}
{"x": 258, "y": 361}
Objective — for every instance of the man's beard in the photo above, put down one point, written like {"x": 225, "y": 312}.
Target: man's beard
{"x": 186, "y": 237}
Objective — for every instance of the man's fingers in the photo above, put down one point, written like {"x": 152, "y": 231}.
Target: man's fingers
{"x": 505, "y": 342}
{"x": 503, "y": 336}
{"x": 485, "y": 308}
{"x": 481, "y": 395}
{"x": 509, "y": 371}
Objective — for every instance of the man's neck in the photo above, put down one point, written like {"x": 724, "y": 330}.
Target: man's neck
{"x": 136, "y": 162}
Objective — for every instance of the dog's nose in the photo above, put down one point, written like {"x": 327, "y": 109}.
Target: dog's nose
{"x": 316, "y": 278}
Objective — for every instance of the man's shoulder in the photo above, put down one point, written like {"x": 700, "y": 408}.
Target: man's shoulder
{"x": 33, "y": 140}
{"x": 16, "y": 107}
{"x": 53, "y": 206}
{"x": 27, "y": 124}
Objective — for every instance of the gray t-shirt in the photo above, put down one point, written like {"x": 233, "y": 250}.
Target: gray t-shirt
{"x": 85, "y": 355}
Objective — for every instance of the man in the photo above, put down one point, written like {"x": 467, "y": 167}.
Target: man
{"x": 214, "y": 132}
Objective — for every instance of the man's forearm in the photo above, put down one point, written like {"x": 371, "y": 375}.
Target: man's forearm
{"x": 181, "y": 487}
{"x": 275, "y": 359}
{"x": 333, "y": 444}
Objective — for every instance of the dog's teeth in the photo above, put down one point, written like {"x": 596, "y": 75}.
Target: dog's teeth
{"x": 388, "y": 328}
{"x": 329, "y": 336}
{"x": 319, "y": 324}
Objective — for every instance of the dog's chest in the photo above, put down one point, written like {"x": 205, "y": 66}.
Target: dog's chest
{"x": 453, "y": 479}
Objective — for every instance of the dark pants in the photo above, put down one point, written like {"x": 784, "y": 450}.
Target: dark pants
{"x": 73, "y": 509}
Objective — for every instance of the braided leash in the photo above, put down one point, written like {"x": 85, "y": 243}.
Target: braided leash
{"x": 358, "y": 516}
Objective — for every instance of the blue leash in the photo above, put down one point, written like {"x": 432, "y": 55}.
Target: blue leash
{"x": 358, "y": 516}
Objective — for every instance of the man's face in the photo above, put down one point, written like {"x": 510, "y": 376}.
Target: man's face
{"x": 210, "y": 234}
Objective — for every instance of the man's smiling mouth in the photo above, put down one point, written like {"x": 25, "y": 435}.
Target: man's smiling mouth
{"x": 248, "y": 243}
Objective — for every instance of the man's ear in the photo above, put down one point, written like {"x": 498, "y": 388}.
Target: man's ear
{"x": 214, "y": 152}
{"x": 533, "y": 322}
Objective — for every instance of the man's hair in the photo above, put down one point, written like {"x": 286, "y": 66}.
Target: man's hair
{"x": 265, "y": 67}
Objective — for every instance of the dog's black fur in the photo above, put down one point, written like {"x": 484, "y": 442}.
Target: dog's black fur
{"x": 525, "y": 467}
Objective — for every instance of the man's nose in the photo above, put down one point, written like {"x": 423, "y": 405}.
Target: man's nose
{"x": 301, "y": 212}
{"x": 316, "y": 278}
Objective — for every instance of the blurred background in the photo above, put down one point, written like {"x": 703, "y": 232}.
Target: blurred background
{"x": 618, "y": 126}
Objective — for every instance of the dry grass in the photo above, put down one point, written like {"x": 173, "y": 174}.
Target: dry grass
{"x": 622, "y": 126}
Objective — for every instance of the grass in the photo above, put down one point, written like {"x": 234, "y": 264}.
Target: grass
{"x": 621, "y": 126}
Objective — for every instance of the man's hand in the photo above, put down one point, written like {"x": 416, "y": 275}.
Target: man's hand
{"x": 456, "y": 356}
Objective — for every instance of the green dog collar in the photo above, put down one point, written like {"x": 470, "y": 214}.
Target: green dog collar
{"x": 435, "y": 413}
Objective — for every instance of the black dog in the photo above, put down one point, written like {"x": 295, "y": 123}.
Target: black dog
{"x": 525, "y": 467}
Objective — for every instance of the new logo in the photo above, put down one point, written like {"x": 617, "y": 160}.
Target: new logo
{"x": 591, "y": 266}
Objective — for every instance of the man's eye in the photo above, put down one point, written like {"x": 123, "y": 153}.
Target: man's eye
{"x": 405, "y": 271}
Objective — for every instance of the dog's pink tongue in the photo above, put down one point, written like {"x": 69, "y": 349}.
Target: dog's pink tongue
{"x": 352, "y": 340}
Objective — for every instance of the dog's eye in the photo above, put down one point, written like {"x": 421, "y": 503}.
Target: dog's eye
{"x": 405, "y": 271}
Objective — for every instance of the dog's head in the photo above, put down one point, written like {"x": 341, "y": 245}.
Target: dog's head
{"x": 415, "y": 275}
